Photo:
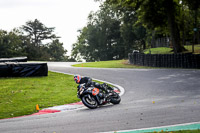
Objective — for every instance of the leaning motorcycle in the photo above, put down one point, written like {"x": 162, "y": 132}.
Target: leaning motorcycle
{"x": 93, "y": 97}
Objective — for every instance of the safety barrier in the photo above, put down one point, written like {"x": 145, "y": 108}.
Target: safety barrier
{"x": 165, "y": 60}
{"x": 23, "y": 69}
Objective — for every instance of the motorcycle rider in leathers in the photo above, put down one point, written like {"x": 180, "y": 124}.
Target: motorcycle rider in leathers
{"x": 88, "y": 83}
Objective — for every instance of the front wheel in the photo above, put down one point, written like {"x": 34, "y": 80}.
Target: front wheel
{"x": 115, "y": 98}
{"x": 89, "y": 101}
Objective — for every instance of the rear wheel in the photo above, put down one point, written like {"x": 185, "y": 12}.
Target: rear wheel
{"x": 115, "y": 98}
{"x": 89, "y": 101}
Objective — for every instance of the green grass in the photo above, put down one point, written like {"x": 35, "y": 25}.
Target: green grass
{"x": 165, "y": 50}
{"x": 19, "y": 96}
{"x": 159, "y": 50}
{"x": 196, "y": 48}
{"x": 109, "y": 64}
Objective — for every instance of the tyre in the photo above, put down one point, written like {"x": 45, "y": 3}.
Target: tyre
{"x": 89, "y": 101}
{"x": 115, "y": 98}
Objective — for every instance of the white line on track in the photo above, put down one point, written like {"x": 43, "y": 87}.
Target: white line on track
{"x": 154, "y": 128}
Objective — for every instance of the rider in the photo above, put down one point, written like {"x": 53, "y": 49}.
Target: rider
{"x": 88, "y": 82}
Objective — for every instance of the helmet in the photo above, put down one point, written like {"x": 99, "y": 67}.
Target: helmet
{"x": 77, "y": 79}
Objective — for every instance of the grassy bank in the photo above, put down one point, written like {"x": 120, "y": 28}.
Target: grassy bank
{"x": 196, "y": 48}
{"x": 165, "y": 50}
{"x": 19, "y": 96}
{"x": 109, "y": 64}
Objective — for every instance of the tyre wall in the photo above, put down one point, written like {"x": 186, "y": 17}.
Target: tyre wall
{"x": 165, "y": 60}
{"x": 23, "y": 69}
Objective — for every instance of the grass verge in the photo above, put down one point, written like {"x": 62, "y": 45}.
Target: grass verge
{"x": 159, "y": 50}
{"x": 196, "y": 48}
{"x": 109, "y": 64}
{"x": 165, "y": 50}
{"x": 19, "y": 96}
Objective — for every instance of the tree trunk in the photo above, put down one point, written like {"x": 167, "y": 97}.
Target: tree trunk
{"x": 195, "y": 30}
{"x": 143, "y": 44}
{"x": 183, "y": 25}
{"x": 173, "y": 27}
{"x": 153, "y": 40}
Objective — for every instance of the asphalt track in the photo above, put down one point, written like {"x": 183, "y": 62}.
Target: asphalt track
{"x": 152, "y": 98}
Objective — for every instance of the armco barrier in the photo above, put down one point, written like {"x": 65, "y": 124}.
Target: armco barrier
{"x": 165, "y": 60}
{"x": 23, "y": 69}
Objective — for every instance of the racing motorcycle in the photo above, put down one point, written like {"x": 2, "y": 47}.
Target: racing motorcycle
{"x": 93, "y": 97}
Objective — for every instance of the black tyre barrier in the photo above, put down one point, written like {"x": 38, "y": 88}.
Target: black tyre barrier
{"x": 16, "y": 59}
{"x": 165, "y": 60}
{"x": 10, "y": 69}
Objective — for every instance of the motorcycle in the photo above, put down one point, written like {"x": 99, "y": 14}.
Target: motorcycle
{"x": 93, "y": 97}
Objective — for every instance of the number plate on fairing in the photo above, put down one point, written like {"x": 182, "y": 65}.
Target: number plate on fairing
{"x": 95, "y": 91}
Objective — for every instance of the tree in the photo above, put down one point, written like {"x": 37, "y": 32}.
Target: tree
{"x": 36, "y": 38}
{"x": 100, "y": 39}
{"x": 154, "y": 14}
{"x": 28, "y": 41}
{"x": 11, "y": 44}
{"x": 194, "y": 5}
{"x": 38, "y": 32}
{"x": 56, "y": 50}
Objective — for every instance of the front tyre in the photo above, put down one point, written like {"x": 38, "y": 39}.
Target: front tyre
{"x": 115, "y": 98}
{"x": 89, "y": 101}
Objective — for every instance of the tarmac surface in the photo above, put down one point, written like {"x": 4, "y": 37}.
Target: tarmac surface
{"x": 152, "y": 98}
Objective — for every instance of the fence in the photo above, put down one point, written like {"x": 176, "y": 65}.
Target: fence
{"x": 165, "y": 60}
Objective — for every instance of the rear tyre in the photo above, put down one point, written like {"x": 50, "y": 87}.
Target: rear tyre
{"x": 89, "y": 101}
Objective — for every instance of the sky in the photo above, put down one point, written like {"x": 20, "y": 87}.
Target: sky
{"x": 67, "y": 16}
